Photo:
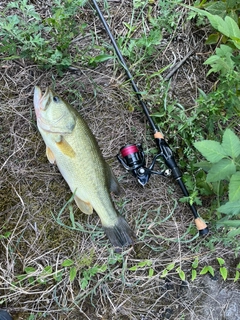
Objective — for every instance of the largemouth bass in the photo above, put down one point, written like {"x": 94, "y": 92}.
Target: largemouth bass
{"x": 72, "y": 146}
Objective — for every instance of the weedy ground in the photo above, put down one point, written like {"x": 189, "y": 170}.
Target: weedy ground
{"x": 55, "y": 262}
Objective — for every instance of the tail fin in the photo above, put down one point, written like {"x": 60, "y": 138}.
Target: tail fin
{"x": 120, "y": 235}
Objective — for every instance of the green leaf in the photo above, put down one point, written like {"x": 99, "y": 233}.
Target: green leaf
{"x": 236, "y": 276}
{"x": 164, "y": 273}
{"x": 5, "y": 235}
{"x": 21, "y": 277}
{"x": 144, "y": 263}
{"x": 233, "y": 233}
{"x": 194, "y": 274}
{"x": 195, "y": 263}
{"x": 229, "y": 223}
{"x": 134, "y": 268}
{"x": 41, "y": 280}
{"x": 67, "y": 263}
{"x": 236, "y": 59}
{"x": 224, "y": 51}
{"x": 83, "y": 283}
{"x": 31, "y": 280}
{"x": 29, "y": 270}
{"x": 211, "y": 150}
{"x": 221, "y": 261}
{"x": 221, "y": 62}
{"x": 212, "y": 38}
{"x": 72, "y": 273}
{"x": 231, "y": 143}
{"x": 211, "y": 270}
{"x": 47, "y": 270}
{"x": 92, "y": 271}
{"x": 181, "y": 273}
{"x": 207, "y": 269}
{"x": 217, "y": 8}
{"x": 234, "y": 187}
{"x": 224, "y": 273}
{"x": 228, "y": 27}
{"x": 237, "y": 43}
{"x": 213, "y": 59}
{"x": 204, "y": 270}
{"x": 150, "y": 272}
{"x": 141, "y": 264}
{"x": 100, "y": 58}
{"x": 129, "y": 27}
{"x": 71, "y": 215}
{"x": 221, "y": 170}
{"x": 232, "y": 208}
{"x": 234, "y": 32}
{"x": 170, "y": 266}
{"x": 217, "y": 23}
{"x": 102, "y": 268}
{"x": 58, "y": 276}
{"x": 205, "y": 165}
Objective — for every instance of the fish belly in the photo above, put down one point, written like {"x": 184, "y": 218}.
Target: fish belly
{"x": 85, "y": 172}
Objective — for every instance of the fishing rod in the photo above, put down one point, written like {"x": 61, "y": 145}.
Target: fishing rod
{"x": 132, "y": 155}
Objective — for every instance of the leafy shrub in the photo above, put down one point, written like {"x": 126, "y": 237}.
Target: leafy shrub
{"x": 226, "y": 24}
{"x": 223, "y": 166}
{"x": 25, "y": 34}
{"x": 140, "y": 47}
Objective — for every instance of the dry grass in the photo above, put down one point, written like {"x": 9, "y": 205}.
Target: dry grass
{"x": 33, "y": 193}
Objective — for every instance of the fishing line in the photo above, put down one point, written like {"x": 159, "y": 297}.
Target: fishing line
{"x": 132, "y": 156}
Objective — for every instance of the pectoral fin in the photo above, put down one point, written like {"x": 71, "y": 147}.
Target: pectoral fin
{"x": 65, "y": 147}
{"x": 50, "y": 156}
{"x": 85, "y": 207}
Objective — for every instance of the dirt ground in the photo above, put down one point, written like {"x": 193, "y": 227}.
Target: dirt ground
{"x": 36, "y": 230}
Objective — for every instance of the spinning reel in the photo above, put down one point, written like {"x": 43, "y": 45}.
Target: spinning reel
{"x": 132, "y": 158}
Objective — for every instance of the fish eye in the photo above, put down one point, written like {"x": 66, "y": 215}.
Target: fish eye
{"x": 55, "y": 99}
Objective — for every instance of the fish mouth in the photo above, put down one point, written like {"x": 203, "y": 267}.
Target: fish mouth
{"x": 41, "y": 103}
{"x": 45, "y": 96}
{"x": 41, "y": 100}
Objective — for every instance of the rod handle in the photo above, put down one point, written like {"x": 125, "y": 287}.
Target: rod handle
{"x": 201, "y": 226}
